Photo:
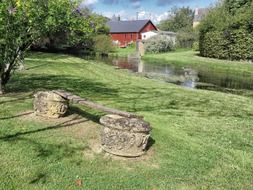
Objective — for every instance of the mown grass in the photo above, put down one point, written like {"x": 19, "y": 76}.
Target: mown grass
{"x": 202, "y": 139}
{"x": 124, "y": 52}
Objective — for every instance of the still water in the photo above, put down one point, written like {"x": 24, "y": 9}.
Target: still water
{"x": 194, "y": 78}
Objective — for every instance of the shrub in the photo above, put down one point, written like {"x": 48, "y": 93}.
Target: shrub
{"x": 103, "y": 44}
{"x": 227, "y": 33}
{"x": 159, "y": 44}
{"x": 186, "y": 39}
{"x": 195, "y": 46}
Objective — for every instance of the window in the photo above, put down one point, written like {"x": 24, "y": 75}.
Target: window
{"x": 131, "y": 36}
{"x": 125, "y": 36}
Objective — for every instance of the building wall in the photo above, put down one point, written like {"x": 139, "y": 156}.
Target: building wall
{"x": 147, "y": 35}
{"x": 148, "y": 27}
{"x": 123, "y": 39}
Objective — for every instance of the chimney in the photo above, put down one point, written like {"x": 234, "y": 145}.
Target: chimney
{"x": 118, "y": 18}
{"x": 197, "y": 11}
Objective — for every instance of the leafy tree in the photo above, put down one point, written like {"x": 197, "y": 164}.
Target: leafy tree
{"x": 103, "y": 44}
{"x": 23, "y": 22}
{"x": 181, "y": 20}
{"x": 233, "y": 5}
{"x": 61, "y": 41}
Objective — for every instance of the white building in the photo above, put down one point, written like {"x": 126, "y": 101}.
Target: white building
{"x": 170, "y": 35}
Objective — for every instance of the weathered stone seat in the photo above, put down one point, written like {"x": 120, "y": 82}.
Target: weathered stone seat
{"x": 49, "y": 104}
{"x": 124, "y": 136}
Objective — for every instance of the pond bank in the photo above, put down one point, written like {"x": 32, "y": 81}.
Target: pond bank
{"x": 187, "y": 69}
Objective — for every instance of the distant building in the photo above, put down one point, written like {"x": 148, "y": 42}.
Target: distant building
{"x": 166, "y": 34}
{"x": 126, "y": 32}
{"x": 199, "y": 14}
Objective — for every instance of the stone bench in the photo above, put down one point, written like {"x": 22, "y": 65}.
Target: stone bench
{"x": 124, "y": 134}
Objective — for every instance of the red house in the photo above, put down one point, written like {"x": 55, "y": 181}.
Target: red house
{"x": 126, "y": 32}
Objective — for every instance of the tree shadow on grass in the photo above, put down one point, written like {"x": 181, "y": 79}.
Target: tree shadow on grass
{"x": 68, "y": 123}
{"x": 39, "y": 178}
{"x": 151, "y": 142}
{"x": 92, "y": 117}
{"x": 16, "y": 116}
{"x": 76, "y": 85}
{"x": 14, "y": 97}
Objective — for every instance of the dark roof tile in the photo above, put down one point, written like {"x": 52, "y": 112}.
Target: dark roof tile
{"x": 127, "y": 26}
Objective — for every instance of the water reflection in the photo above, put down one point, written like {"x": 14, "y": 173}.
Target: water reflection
{"x": 194, "y": 78}
{"x": 186, "y": 77}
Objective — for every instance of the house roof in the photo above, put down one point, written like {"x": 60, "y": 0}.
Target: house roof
{"x": 127, "y": 26}
{"x": 199, "y": 14}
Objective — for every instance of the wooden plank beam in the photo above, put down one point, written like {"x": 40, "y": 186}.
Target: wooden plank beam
{"x": 93, "y": 105}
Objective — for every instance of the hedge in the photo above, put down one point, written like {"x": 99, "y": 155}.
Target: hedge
{"x": 233, "y": 45}
{"x": 227, "y": 33}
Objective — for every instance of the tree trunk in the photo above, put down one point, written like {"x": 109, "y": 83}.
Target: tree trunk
{"x": 1, "y": 87}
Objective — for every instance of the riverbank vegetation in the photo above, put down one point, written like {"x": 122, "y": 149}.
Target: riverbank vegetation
{"x": 201, "y": 139}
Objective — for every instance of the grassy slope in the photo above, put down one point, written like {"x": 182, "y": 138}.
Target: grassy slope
{"x": 203, "y": 140}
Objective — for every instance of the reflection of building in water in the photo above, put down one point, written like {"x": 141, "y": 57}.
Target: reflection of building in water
{"x": 140, "y": 66}
{"x": 168, "y": 73}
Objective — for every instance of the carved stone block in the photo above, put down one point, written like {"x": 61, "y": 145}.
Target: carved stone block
{"x": 123, "y": 136}
{"x": 49, "y": 104}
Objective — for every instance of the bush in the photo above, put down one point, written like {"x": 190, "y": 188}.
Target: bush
{"x": 103, "y": 44}
{"x": 159, "y": 44}
{"x": 186, "y": 39}
{"x": 195, "y": 46}
{"x": 227, "y": 33}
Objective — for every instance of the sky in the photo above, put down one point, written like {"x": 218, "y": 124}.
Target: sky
{"x": 156, "y": 10}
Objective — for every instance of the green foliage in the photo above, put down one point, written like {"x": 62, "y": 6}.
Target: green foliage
{"x": 195, "y": 46}
{"x": 74, "y": 41}
{"x": 186, "y": 39}
{"x": 234, "y": 5}
{"x": 158, "y": 44}
{"x": 24, "y": 22}
{"x": 227, "y": 31}
{"x": 180, "y": 21}
{"x": 103, "y": 44}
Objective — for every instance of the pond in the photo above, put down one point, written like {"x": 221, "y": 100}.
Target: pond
{"x": 188, "y": 77}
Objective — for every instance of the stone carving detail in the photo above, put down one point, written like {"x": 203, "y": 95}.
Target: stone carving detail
{"x": 124, "y": 136}
{"x": 49, "y": 104}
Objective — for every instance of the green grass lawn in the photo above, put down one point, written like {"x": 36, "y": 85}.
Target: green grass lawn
{"x": 124, "y": 52}
{"x": 201, "y": 139}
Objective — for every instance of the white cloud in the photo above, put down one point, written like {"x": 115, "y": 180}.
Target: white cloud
{"x": 159, "y": 17}
{"x": 89, "y": 2}
{"x": 123, "y": 14}
{"x": 156, "y": 18}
